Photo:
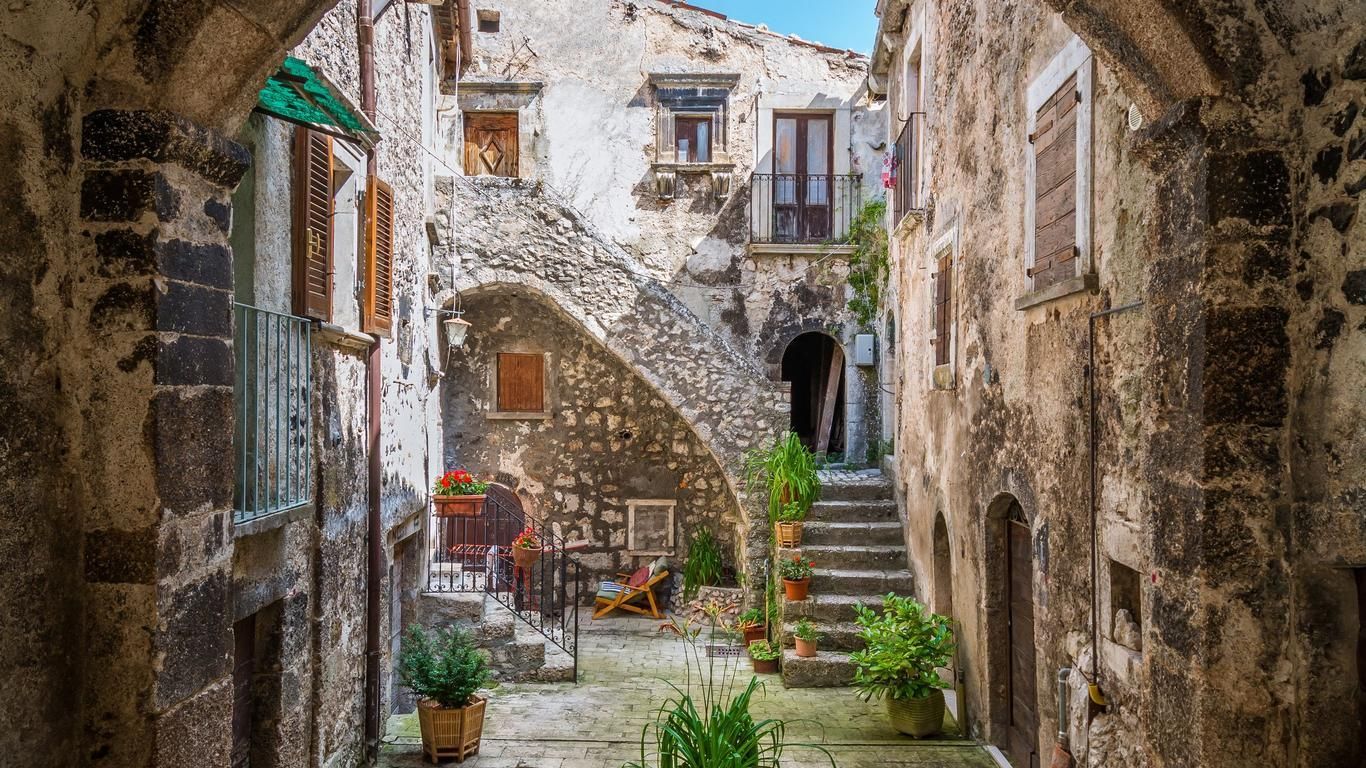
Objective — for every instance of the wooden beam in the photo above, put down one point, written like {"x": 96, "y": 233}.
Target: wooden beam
{"x": 832, "y": 391}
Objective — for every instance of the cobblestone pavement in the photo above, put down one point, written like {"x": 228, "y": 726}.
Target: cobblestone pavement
{"x": 625, "y": 668}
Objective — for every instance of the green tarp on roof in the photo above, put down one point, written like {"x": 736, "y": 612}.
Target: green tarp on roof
{"x": 300, "y": 95}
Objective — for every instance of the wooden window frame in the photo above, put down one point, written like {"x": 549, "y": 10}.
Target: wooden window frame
{"x": 944, "y": 375}
{"x": 548, "y": 380}
{"x": 515, "y": 116}
{"x": 681, "y": 118}
{"x": 671, "y": 505}
{"x": 305, "y": 141}
{"x": 1074, "y": 58}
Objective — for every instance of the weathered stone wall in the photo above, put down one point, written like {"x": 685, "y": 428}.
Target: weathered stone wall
{"x": 610, "y": 437}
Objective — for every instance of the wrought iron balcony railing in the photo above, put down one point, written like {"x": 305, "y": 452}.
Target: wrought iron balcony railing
{"x": 906, "y": 195}
{"x": 802, "y": 208}
{"x": 273, "y": 393}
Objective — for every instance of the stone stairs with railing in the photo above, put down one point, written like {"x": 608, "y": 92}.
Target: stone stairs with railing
{"x": 854, "y": 536}
{"x": 517, "y": 652}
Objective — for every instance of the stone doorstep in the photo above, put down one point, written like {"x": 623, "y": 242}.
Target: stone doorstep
{"x": 827, "y": 669}
{"x": 862, "y": 582}
{"x": 870, "y": 557}
{"x": 820, "y": 533}
{"x": 438, "y": 608}
{"x": 834, "y": 609}
{"x": 853, "y": 511}
{"x": 834, "y": 636}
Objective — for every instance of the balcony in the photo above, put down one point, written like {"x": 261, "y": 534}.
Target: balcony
{"x": 798, "y": 209}
{"x": 906, "y": 197}
{"x": 273, "y": 394}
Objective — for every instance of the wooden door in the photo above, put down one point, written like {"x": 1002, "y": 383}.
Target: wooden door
{"x": 243, "y": 670}
{"x": 1024, "y": 721}
{"x": 490, "y": 143}
{"x": 803, "y": 157}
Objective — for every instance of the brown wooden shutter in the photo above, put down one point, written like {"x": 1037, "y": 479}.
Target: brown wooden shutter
{"x": 379, "y": 257}
{"x": 521, "y": 383}
{"x": 943, "y": 310}
{"x": 312, "y": 224}
{"x": 491, "y": 143}
{"x": 1055, "y": 187}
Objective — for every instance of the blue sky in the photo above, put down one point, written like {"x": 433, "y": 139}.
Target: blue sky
{"x": 837, "y": 23}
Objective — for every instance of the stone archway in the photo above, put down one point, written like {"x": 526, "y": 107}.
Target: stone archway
{"x": 943, "y": 568}
{"x": 813, "y": 363}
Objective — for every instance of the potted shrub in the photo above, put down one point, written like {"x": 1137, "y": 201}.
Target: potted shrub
{"x": 526, "y": 548}
{"x": 805, "y": 637}
{"x": 906, "y": 645}
{"x": 764, "y": 656}
{"x": 751, "y": 624}
{"x": 789, "y": 527}
{"x": 458, "y": 494}
{"x": 444, "y": 669}
{"x": 796, "y": 574}
{"x": 788, "y": 471}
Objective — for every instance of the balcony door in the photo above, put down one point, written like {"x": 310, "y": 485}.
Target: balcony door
{"x": 803, "y": 155}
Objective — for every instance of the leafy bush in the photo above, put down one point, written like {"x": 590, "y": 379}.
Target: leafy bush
{"x": 763, "y": 650}
{"x": 788, "y": 470}
{"x": 806, "y": 631}
{"x": 869, "y": 266}
{"x": 445, "y": 666}
{"x": 795, "y": 569}
{"x": 906, "y": 646}
{"x": 703, "y": 566}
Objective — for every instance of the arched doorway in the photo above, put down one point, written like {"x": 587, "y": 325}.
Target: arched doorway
{"x": 814, "y": 364}
{"x": 943, "y": 568}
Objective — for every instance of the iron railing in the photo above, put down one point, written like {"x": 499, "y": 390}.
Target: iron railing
{"x": 906, "y": 195}
{"x": 273, "y": 394}
{"x": 802, "y": 208}
{"x": 474, "y": 554}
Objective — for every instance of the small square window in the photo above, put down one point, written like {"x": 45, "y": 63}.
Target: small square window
{"x": 488, "y": 21}
{"x": 521, "y": 383}
{"x": 650, "y": 526}
{"x": 692, "y": 139}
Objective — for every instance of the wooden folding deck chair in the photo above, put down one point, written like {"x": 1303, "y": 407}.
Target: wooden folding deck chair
{"x": 619, "y": 594}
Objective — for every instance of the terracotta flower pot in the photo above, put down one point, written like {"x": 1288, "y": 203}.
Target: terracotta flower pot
{"x": 796, "y": 590}
{"x": 525, "y": 557}
{"x": 756, "y": 633}
{"x": 451, "y": 731}
{"x": 459, "y": 506}
{"x": 917, "y": 717}
{"x": 789, "y": 534}
{"x": 765, "y": 667}
{"x": 805, "y": 648}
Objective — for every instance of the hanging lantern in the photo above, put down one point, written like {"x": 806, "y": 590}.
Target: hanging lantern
{"x": 456, "y": 328}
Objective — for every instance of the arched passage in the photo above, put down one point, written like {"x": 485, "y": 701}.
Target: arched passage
{"x": 943, "y": 568}
{"x": 814, "y": 364}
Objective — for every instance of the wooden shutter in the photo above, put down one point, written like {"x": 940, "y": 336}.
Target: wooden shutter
{"x": 491, "y": 143}
{"x": 943, "y": 310}
{"x": 1055, "y": 187}
{"x": 312, "y": 224}
{"x": 521, "y": 383}
{"x": 379, "y": 257}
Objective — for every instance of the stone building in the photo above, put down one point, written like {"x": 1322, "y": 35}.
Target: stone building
{"x": 1128, "y": 361}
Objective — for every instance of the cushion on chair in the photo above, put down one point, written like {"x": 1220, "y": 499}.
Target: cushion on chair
{"x": 660, "y": 564}
{"x": 640, "y": 576}
{"x": 609, "y": 590}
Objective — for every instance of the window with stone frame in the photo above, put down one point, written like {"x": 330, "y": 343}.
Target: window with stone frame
{"x": 1058, "y": 174}
{"x": 943, "y": 319}
{"x": 691, "y": 134}
{"x": 650, "y": 526}
{"x": 520, "y": 386}
{"x": 692, "y": 138}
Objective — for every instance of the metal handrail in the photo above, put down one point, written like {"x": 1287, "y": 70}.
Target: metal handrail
{"x": 474, "y": 554}
{"x": 803, "y": 208}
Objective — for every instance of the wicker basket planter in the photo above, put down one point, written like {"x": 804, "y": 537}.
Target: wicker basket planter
{"x": 459, "y": 506}
{"x": 789, "y": 534}
{"x": 449, "y": 731}
{"x": 796, "y": 590}
{"x": 917, "y": 717}
{"x": 525, "y": 557}
{"x": 805, "y": 648}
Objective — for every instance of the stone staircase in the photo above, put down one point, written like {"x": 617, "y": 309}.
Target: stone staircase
{"x": 854, "y": 536}
{"x": 517, "y": 652}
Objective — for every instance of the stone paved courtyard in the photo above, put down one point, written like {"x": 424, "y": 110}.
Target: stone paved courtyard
{"x": 625, "y": 669}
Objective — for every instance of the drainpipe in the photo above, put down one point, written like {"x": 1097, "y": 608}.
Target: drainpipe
{"x": 374, "y": 559}
{"x": 1097, "y": 696}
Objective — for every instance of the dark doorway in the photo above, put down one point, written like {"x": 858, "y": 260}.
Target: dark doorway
{"x": 814, "y": 364}
{"x": 1360, "y": 574}
{"x": 256, "y": 689}
{"x": 1024, "y": 721}
{"x": 243, "y": 669}
{"x": 943, "y": 569}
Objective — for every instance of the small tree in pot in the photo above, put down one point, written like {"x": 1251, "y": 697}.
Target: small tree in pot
{"x": 444, "y": 669}
{"x": 906, "y": 645}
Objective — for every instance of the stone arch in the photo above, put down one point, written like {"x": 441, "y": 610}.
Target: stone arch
{"x": 808, "y": 362}
{"x": 942, "y": 550}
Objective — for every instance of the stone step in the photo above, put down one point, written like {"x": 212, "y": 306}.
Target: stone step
{"x": 514, "y": 661}
{"x": 849, "y": 486}
{"x": 834, "y": 636}
{"x": 821, "y": 533}
{"x": 852, "y": 512}
{"x": 861, "y": 557}
{"x": 497, "y": 628}
{"x": 839, "y": 581}
{"x": 827, "y": 669}
{"x": 439, "y": 609}
{"x": 832, "y": 609}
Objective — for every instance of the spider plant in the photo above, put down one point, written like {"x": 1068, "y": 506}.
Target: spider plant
{"x": 707, "y": 723}
{"x": 788, "y": 470}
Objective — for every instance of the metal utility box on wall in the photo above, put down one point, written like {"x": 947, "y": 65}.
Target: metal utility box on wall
{"x": 863, "y": 349}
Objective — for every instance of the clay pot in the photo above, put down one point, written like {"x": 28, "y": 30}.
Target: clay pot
{"x": 759, "y": 632}
{"x": 459, "y": 506}
{"x": 796, "y": 590}
{"x": 451, "y": 731}
{"x": 917, "y": 717}
{"x": 525, "y": 557}
{"x": 766, "y": 667}
{"x": 789, "y": 534}
{"x": 805, "y": 648}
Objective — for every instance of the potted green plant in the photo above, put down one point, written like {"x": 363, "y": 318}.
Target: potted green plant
{"x": 526, "y": 548}
{"x": 703, "y": 566}
{"x": 458, "y": 494}
{"x": 764, "y": 656}
{"x": 789, "y": 527}
{"x": 805, "y": 637}
{"x": 796, "y": 573}
{"x": 787, "y": 470}
{"x": 444, "y": 669}
{"x": 751, "y": 624}
{"x": 905, "y": 647}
